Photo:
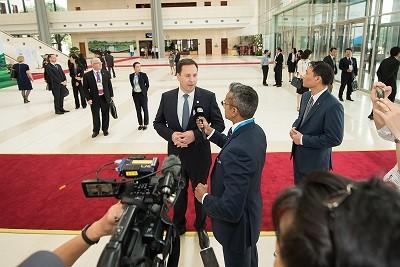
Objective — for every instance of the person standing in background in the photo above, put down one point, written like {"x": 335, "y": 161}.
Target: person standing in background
{"x": 24, "y": 78}
{"x": 291, "y": 63}
{"x": 110, "y": 63}
{"x": 76, "y": 72}
{"x": 265, "y": 61}
{"x": 140, "y": 85}
{"x": 278, "y": 67}
{"x": 348, "y": 65}
{"x": 177, "y": 58}
{"x": 82, "y": 61}
{"x": 331, "y": 61}
{"x": 171, "y": 61}
{"x": 302, "y": 66}
{"x": 57, "y": 83}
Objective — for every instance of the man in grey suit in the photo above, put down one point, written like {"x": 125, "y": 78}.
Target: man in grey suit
{"x": 320, "y": 124}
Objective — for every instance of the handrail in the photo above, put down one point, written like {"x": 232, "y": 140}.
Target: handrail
{"x": 7, "y": 34}
{"x": 40, "y": 41}
{"x": 9, "y": 57}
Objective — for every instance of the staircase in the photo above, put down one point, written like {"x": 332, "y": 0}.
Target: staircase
{"x": 32, "y": 49}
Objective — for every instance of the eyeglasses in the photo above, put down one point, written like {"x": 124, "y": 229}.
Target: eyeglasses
{"x": 223, "y": 103}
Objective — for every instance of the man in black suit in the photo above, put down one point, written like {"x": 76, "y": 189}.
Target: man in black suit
{"x": 57, "y": 82}
{"x": 278, "y": 67}
{"x": 175, "y": 123}
{"x": 348, "y": 65}
{"x": 235, "y": 203}
{"x": 110, "y": 62}
{"x": 387, "y": 73}
{"x": 331, "y": 61}
{"x": 99, "y": 92}
{"x": 320, "y": 124}
{"x": 140, "y": 86}
{"x": 177, "y": 58}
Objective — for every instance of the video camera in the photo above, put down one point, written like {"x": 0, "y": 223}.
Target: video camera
{"x": 144, "y": 235}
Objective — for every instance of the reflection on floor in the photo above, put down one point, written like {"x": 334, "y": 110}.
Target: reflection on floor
{"x": 34, "y": 128}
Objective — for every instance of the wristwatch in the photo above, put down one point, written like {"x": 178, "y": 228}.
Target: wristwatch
{"x": 86, "y": 238}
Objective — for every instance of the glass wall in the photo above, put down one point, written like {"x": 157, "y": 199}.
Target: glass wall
{"x": 369, "y": 27}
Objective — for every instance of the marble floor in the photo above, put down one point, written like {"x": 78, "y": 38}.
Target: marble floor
{"x": 34, "y": 128}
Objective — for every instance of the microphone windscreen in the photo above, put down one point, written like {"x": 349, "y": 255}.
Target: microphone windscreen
{"x": 171, "y": 164}
{"x": 42, "y": 258}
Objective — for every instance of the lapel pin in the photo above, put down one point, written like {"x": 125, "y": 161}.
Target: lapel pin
{"x": 197, "y": 101}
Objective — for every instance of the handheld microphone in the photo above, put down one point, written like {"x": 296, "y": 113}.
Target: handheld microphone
{"x": 198, "y": 111}
{"x": 171, "y": 170}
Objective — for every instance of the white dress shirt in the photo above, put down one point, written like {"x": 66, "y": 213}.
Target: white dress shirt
{"x": 181, "y": 100}
{"x": 100, "y": 83}
{"x": 136, "y": 87}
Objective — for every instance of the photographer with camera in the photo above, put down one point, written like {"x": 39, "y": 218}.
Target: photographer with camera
{"x": 70, "y": 251}
{"x": 387, "y": 122}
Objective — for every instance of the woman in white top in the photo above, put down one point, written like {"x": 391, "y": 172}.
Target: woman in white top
{"x": 302, "y": 66}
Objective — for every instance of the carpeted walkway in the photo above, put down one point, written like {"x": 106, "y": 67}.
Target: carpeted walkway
{"x": 33, "y": 195}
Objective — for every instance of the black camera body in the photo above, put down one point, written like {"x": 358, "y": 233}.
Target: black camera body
{"x": 145, "y": 233}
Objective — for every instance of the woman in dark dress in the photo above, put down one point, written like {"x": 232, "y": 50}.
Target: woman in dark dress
{"x": 291, "y": 63}
{"x": 23, "y": 77}
{"x": 76, "y": 71}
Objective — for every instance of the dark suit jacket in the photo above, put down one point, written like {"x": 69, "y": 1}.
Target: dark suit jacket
{"x": 198, "y": 154}
{"x": 177, "y": 57}
{"x": 55, "y": 75}
{"x": 344, "y": 66}
{"x": 109, "y": 60}
{"x": 78, "y": 73}
{"x": 279, "y": 59}
{"x": 328, "y": 59}
{"x": 322, "y": 129}
{"x": 387, "y": 71}
{"x": 143, "y": 82}
{"x": 235, "y": 204}
{"x": 90, "y": 86}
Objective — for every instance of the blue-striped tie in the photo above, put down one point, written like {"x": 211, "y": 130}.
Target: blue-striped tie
{"x": 186, "y": 112}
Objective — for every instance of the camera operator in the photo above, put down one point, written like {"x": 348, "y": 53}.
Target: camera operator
{"x": 387, "y": 122}
{"x": 70, "y": 251}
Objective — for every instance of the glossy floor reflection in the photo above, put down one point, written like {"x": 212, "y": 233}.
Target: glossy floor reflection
{"x": 34, "y": 128}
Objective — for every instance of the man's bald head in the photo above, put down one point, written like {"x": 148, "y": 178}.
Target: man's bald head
{"x": 96, "y": 63}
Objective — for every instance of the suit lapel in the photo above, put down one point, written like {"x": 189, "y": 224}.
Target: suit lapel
{"x": 316, "y": 106}
{"x": 235, "y": 134}
{"x": 174, "y": 105}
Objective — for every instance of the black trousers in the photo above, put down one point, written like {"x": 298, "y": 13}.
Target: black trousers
{"x": 78, "y": 92}
{"x": 278, "y": 74}
{"x": 346, "y": 79}
{"x": 58, "y": 98}
{"x": 249, "y": 258}
{"x": 265, "y": 69}
{"x": 103, "y": 106}
{"x": 181, "y": 203}
{"x": 140, "y": 101}
{"x": 109, "y": 70}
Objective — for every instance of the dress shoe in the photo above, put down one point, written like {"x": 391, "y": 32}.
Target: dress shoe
{"x": 144, "y": 127}
{"x": 349, "y": 98}
{"x": 83, "y": 106}
{"x": 94, "y": 134}
{"x": 77, "y": 107}
{"x": 340, "y": 99}
{"x": 275, "y": 85}
{"x": 59, "y": 112}
{"x": 105, "y": 133}
{"x": 140, "y": 127}
{"x": 181, "y": 231}
{"x": 265, "y": 84}
{"x": 65, "y": 111}
{"x": 371, "y": 116}
{"x": 204, "y": 241}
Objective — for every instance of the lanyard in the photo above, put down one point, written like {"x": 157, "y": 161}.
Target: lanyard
{"x": 243, "y": 123}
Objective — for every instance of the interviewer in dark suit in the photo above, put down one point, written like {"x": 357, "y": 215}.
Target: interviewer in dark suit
{"x": 278, "y": 67}
{"x": 56, "y": 80}
{"x": 348, "y": 65}
{"x": 331, "y": 61}
{"x": 99, "y": 92}
{"x": 320, "y": 124}
{"x": 175, "y": 123}
{"x": 140, "y": 86}
{"x": 234, "y": 203}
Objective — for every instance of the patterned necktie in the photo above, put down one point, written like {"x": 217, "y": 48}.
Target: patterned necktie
{"x": 308, "y": 108}
{"x": 98, "y": 79}
{"x": 185, "y": 112}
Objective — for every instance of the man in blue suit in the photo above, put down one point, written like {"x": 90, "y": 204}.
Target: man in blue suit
{"x": 235, "y": 203}
{"x": 320, "y": 124}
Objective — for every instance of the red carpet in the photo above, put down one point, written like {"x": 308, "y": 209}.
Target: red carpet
{"x": 31, "y": 198}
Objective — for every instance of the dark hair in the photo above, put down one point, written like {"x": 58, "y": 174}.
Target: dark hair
{"x": 183, "y": 62}
{"x": 109, "y": 52}
{"x": 279, "y": 49}
{"x": 332, "y": 48}
{"x": 394, "y": 51}
{"x": 306, "y": 54}
{"x": 266, "y": 51}
{"x": 300, "y": 52}
{"x": 135, "y": 63}
{"x": 323, "y": 70}
{"x": 294, "y": 50}
{"x": 74, "y": 56}
{"x": 361, "y": 227}
{"x": 245, "y": 98}
{"x": 348, "y": 49}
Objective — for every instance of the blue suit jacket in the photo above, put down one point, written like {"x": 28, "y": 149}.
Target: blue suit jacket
{"x": 235, "y": 203}
{"x": 322, "y": 129}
